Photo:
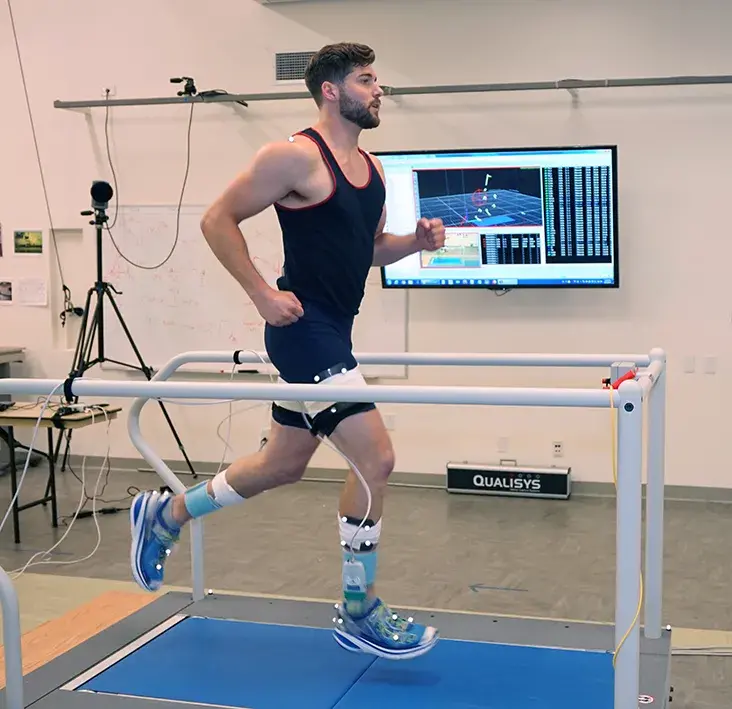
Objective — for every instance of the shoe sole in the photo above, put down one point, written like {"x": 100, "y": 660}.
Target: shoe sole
{"x": 357, "y": 645}
{"x": 137, "y": 528}
{"x": 345, "y": 644}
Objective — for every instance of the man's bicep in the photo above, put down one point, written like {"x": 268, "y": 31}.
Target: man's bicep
{"x": 276, "y": 170}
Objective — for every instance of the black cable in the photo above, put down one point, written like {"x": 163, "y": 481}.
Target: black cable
{"x": 180, "y": 203}
{"x": 131, "y": 492}
{"x": 68, "y": 304}
{"x": 111, "y": 165}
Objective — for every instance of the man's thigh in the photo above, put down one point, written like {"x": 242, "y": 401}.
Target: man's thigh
{"x": 289, "y": 448}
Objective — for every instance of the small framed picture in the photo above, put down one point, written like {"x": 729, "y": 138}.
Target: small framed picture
{"x": 28, "y": 242}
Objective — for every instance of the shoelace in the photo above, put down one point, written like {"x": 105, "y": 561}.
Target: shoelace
{"x": 166, "y": 539}
{"x": 162, "y": 556}
{"x": 397, "y": 626}
{"x": 399, "y": 622}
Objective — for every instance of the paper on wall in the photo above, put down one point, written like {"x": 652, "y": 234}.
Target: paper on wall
{"x": 31, "y": 291}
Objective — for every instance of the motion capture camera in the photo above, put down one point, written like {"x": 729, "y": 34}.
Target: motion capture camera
{"x": 189, "y": 89}
{"x": 101, "y": 193}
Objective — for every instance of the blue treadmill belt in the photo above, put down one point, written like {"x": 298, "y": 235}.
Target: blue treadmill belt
{"x": 251, "y": 665}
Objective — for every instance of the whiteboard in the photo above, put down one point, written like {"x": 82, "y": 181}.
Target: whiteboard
{"x": 191, "y": 302}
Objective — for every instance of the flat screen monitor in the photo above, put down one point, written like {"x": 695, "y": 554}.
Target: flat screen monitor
{"x": 514, "y": 218}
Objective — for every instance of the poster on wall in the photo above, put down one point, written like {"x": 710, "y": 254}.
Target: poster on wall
{"x": 6, "y": 292}
{"x": 28, "y": 242}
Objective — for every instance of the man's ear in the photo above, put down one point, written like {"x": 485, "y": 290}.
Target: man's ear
{"x": 331, "y": 91}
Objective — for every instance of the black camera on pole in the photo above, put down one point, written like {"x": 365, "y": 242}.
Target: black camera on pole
{"x": 101, "y": 193}
{"x": 92, "y": 320}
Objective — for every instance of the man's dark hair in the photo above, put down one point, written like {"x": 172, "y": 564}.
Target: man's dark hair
{"x": 334, "y": 63}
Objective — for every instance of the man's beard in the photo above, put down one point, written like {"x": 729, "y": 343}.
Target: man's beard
{"x": 357, "y": 113}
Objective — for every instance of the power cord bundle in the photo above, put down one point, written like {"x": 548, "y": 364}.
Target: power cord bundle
{"x": 111, "y": 506}
{"x": 31, "y": 447}
{"x": 45, "y": 556}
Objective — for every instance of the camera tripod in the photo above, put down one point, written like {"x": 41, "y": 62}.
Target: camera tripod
{"x": 92, "y": 323}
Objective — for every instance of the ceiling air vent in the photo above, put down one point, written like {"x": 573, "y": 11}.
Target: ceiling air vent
{"x": 290, "y": 66}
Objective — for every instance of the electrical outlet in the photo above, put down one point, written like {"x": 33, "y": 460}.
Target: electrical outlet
{"x": 390, "y": 421}
{"x": 111, "y": 89}
{"x": 558, "y": 449}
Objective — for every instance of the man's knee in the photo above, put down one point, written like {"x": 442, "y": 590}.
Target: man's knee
{"x": 384, "y": 462}
{"x": 371, "y": 451}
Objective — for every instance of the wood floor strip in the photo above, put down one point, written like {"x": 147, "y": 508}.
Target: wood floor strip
{"x": 57, "y": 636}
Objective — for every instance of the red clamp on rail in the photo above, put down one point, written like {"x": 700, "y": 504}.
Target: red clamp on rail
{"x": 628, "y": 375}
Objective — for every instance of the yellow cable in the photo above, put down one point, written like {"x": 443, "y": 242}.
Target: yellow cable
{"x": 615, "y": 480}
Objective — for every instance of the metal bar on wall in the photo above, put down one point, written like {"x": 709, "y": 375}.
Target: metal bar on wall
{"x": 562, "y": 84}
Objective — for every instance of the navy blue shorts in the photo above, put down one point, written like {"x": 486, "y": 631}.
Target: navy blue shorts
{"x": 302, "y": 352}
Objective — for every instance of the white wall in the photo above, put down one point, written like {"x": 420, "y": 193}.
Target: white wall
{"x": 674, "y": 157}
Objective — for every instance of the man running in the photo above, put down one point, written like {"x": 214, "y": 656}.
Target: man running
{"x": 329, "y": 197}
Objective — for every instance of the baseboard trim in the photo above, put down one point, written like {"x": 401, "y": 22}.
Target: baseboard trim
{"x": 685, "y": 493}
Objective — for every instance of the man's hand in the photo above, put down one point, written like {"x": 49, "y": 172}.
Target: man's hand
{"x": 279, "y": 308}
{"x": 430, "y": 234}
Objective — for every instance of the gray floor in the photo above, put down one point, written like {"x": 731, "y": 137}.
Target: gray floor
{"x": 497, "y": 555}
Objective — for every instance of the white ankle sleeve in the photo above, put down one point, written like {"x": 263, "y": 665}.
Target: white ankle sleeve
{"x": 223, "y": 493}
{"x": 367, "y": 537}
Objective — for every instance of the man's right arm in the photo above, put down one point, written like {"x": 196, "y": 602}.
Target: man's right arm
{"x": 276, "y": 170}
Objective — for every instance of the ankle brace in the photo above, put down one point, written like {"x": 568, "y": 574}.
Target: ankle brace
{"x": 199, "y": 502}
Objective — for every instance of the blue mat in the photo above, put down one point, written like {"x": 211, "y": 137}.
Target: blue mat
{"x": 468, "y": 675}
{"x": 258, "y": 666}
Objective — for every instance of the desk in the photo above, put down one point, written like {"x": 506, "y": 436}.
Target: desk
{"x": 22, "y": 414}
{"x": 8, "y": 356}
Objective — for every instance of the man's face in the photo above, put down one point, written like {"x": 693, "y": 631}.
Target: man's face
{"x": 360, "y": 98}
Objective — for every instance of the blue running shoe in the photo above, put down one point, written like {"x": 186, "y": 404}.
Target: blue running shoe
{"x": 152, "y": 538}
{"x": 383, "y": 633}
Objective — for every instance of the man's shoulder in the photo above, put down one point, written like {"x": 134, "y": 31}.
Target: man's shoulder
{"x": 305, "y": 144}
{"x": 295, "y": 153}
{"x": 374, "y": 159}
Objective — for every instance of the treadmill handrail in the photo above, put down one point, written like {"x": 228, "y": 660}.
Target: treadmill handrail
{"x": 11, "y": 641}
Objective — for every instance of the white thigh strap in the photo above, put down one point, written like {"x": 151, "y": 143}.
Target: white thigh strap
{"x": 351, "y": 377}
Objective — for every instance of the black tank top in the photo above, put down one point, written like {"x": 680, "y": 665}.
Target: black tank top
{"x": 329, "y": 247}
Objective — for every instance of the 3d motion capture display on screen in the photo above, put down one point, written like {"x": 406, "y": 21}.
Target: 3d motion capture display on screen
{"x": 515, "y": 218}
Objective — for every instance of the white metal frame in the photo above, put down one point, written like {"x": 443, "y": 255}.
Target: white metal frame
{"x": 630, "y": 400}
